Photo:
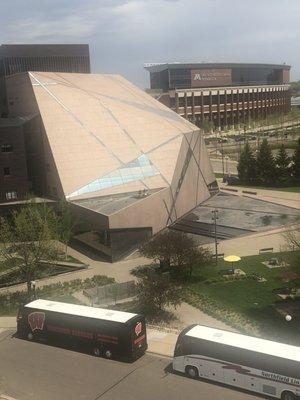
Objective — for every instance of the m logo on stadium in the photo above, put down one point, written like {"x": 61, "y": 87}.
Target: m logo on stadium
{"x": 36, "y": 321}
{"x": 138, "y": 328}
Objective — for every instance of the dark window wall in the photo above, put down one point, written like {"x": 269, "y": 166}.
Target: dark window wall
{"x": 256, "y": 76}
{"x": 160, "y": 80}
{"x": 47, "y": 58}
{"x": 181, "y": 78}
{"x": 14, "y": 65}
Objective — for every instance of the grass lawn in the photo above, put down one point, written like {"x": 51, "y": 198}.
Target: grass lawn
{"x": 64, "y": 297}
{"x": 4, "y": 266}
{"x": 251, "y": 265}
{"x": 10, "y": 274}
{"x": 249, "y": 298}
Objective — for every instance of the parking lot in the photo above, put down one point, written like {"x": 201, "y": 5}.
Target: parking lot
{"x": 36, "y": 371}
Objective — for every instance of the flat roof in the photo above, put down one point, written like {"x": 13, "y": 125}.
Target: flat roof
{"x": 110, "y": 204}
{"x": 245, "y": 342}
{"x": 82, "y": 311}
{"x": 163, "y": 66}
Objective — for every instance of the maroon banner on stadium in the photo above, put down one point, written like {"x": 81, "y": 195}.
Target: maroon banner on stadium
{"x": 210, "y": 77}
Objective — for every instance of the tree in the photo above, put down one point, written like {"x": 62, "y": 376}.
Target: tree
{"x": 195, "y": 258}
{"x": 247, "y": 165}
{"x": 266, "y": 169}
{"x": 292, "y": 238}
{"x": 28, "y": 238}
{"x": 207, "y": 125}
{"x": 65, "y": 224}
{"x": 282, "y": 163}
{"x": 176, "y": 249}
{"x": 157, "y": 291}
{"x": 167, "y": 247}
{"x": 296, "y": 161}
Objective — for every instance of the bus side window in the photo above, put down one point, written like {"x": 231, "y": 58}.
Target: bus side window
{"x": 178, "y": 349}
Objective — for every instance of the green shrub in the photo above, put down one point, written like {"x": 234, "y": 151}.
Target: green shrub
{"x": 10, "y": 302}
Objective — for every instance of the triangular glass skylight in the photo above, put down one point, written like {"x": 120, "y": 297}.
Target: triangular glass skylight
{"x": 133, "y": 171}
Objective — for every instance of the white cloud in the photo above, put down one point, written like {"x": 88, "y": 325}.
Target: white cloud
{"x": 124, "y": 34}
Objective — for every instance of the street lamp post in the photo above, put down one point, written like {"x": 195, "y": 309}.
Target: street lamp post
{"x": 214, "y": 218}
{"x": 226, "y": 165}
{"x": 32, "y": 284}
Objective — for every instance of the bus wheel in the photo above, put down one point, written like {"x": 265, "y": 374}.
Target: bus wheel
{"x": 192, "y": 372}
{"x": 288, "y": 396}
{"x": 30, "y": 336}
{"x": 108, "y": 354}
{"x": 96, "y": 352}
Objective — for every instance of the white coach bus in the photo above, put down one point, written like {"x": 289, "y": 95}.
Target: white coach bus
{"x": 247, "y": 362}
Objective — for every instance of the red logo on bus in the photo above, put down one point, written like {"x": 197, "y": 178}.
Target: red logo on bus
{"x": 138, "y": 328}
{"x": 36, "y": 321}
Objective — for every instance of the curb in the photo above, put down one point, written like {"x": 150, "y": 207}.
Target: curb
{"x": 152, "y": 353}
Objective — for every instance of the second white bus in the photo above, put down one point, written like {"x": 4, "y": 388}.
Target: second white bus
{"x": 247, "y": 362}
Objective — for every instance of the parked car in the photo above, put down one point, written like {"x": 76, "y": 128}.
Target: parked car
{"x": 223, "y": 140}
{"x": 231, "y": 179}
{"x": 238, "y": 138}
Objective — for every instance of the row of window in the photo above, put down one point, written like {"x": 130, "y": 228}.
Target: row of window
{"x": 6, "y": 148}
{"x": 12, "y": 195}
{"x": 230, "y": 98}
{"x": 6, "y": 171}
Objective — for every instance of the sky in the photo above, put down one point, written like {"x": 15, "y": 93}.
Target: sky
{"x": 125, "y": 34}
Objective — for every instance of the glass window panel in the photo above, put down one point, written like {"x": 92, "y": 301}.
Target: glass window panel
{"x": 132, "y": 171}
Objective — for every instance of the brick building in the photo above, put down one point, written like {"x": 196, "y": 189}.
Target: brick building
{"x": 13, "y": 168}
{"x": 18, "y": 160}
{"x": 16, "y": 58}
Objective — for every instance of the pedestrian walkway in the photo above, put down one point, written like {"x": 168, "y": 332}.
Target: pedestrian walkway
{"x": 288, "y": 199}
{"x": 8, "y": 322}
{"x": 120, "y": 271}
{"x": 250, "y": 244}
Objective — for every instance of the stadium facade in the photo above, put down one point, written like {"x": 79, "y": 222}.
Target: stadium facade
{"x": 128, "y": 165}
{"x": 224, "y": 94}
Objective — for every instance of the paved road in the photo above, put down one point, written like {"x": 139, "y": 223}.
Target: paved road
{"x": 35, "y": 371}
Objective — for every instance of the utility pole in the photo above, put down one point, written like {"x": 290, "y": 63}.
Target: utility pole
{"x": 214, "y": 218}
{"x": 222, "y": 154}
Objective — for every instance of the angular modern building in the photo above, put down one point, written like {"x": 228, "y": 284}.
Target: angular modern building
{"x": 128, "y": 165}
{"x": 224, "y": 94}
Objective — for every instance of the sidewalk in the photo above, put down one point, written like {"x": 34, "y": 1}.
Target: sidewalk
{"x": 288, "y": 199}
{"x": 249, "y": 245}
